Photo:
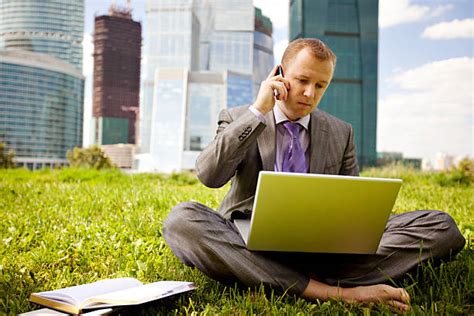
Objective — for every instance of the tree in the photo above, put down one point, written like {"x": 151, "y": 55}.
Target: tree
{"x": 6, "y": 158}
{"x": 464, "y": 171}
{"x": 92, "y": 157}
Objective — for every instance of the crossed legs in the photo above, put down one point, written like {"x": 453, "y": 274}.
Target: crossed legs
{"x": 202, "y": 238}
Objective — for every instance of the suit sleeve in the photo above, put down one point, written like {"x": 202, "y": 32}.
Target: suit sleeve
{"x": 349, "y": 164}
{"x": 219, "y": 161}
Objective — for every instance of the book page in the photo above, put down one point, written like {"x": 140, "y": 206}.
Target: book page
{"x": 141, "y": 294}
{"x": 76, "y": 295}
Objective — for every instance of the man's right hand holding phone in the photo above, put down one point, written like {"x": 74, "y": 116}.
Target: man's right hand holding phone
{"x": 274, "y": 87}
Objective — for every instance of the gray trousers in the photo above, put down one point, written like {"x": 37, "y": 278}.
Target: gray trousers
{"x": 202, "y": 238}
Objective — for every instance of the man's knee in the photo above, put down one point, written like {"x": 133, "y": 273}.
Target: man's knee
{"x": 181, "y": 222}
{"x": 452, "y": 239}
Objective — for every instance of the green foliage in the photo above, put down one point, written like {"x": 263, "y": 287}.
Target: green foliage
{"x": 184, "y": 178}
{"x": 92, "y": 157}
{"x": 6, "y": 157}
{"x": 65, "y": 227}
{"x": 463, "y": 174}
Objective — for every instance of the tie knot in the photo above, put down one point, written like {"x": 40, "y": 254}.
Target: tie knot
{"x": 293, "y": 128}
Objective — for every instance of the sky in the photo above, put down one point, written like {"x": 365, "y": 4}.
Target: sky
{"x": 425, "y": 72}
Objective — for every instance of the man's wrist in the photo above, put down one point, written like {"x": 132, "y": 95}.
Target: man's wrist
{"x": 348, "y": 294}
{"x": 262, "y": 109}
{"x": 258, "y": 113}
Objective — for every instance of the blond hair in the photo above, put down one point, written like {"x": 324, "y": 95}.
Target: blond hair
{"x": 315, "y": 46}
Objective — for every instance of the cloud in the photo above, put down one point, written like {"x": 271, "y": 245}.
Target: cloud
{"x": 449, "y": 30}
{"x": 276, "y": 10}
{"x": 433, "y": 112}
{"x": 394, "y": 12}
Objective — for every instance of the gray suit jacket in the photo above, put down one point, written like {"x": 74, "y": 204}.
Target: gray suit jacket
{"x": 244, "y": 146}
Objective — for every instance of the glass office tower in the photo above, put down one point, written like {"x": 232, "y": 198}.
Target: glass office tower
{"x": 350, "y": 28}
{"x": 172, "y": 41}
{"x": 232, "y": 36}
{"x": 210, "y": 68}
{"x": 41, "y": 107}
{"x": 262, "y": 49}
{"x": 50, "y": 27}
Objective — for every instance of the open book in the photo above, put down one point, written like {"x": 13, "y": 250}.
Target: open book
{"x": 108, "y": 293}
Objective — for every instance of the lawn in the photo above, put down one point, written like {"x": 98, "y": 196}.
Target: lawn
{"x": 66, "y": 227}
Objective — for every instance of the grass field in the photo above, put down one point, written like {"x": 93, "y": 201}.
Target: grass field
{"x": 68, "y": 227}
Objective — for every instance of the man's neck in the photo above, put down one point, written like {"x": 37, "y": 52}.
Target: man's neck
{"x": 280, "y": 117}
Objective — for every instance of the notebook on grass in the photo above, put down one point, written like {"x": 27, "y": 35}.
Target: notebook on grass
{"x": 108, "y": 293}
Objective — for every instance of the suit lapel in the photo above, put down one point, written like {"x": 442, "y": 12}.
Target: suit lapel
{"x": 319, "y": 142}
{"x": 267, "y": 143}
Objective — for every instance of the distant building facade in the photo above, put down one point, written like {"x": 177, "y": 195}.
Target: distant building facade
{"x": 41, "y": 81}
{"x": 172, "y": 35}
{"x": 41, "y": 107}
{"x": 350, "y": 28}
{"x": 385, "y": 158}
{"x": 263, "y": 59}
{"x": 55, "y": 28}
{"x": 117, "y": 54}
{"x": 121, "y": 155}
{"x": 214, "y": 69}
{"x": 444, "y": 161}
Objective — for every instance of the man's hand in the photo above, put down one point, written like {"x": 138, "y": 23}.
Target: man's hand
{"x": 396, "y": 298}
{"x": 265, "y": 99}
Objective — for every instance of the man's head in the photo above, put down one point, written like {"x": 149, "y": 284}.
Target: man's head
{"x": 308, "y": 64}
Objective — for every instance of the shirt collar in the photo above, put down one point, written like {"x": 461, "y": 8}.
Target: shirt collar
{"x": 280, "y": 117}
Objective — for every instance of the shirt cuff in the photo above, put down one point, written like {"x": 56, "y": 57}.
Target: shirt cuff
{"x": 257, "y": 113}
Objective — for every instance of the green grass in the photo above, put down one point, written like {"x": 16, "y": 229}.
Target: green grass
{"x": 67, "y": 227}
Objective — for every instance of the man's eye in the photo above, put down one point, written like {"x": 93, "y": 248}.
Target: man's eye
{"x": 302, "y": 80}
{"x": 319, "y": 86}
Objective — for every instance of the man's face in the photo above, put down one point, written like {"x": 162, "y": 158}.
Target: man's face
{"x": 309, "y": 79}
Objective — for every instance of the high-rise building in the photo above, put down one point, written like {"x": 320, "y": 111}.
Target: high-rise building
{"x": 41, "y": 107}
{"x": 41, "y": 82}
{"x": 350, "y": 28}
{"x": 183, "y": 91}
{"x": 172, "y": 35}
{"x": 262, "y": 49}
{"x": 186, "y": 108}
{"x": 117, "y": 53}
{"x": 231, "y": 40}
{"x": 50, "y": 27}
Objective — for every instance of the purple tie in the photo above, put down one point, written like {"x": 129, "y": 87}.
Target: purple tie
{"x": 293, "y": 157}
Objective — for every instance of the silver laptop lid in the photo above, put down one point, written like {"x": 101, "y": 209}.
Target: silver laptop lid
{"x": 320, "y": 213}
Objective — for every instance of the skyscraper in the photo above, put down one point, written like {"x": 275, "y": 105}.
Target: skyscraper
{"x": 350, "y": 28}
{"x": 172, "y": 35}
{"x": 117, "y": 53}
{"x": 50, "y": 27}
{"x": 41, "y": 107}
{"x": 212, "y": 70}
{"x": 41, "y": 82}
{"x": 262, "y": 49}
{"x": 231, "y": 40}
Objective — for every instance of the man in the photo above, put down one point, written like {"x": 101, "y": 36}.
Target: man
{"x": 290, "y": 134}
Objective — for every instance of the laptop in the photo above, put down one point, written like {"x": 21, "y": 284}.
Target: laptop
{"x": 300, "y": 212}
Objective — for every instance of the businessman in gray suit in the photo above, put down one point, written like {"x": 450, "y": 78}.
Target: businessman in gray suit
{"x": 284, "y": 131}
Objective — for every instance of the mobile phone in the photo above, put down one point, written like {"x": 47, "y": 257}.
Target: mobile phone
{"x": 278, "y": 72}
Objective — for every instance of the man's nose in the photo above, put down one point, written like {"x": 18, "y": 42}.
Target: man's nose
{"x": 309, "y": 91}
